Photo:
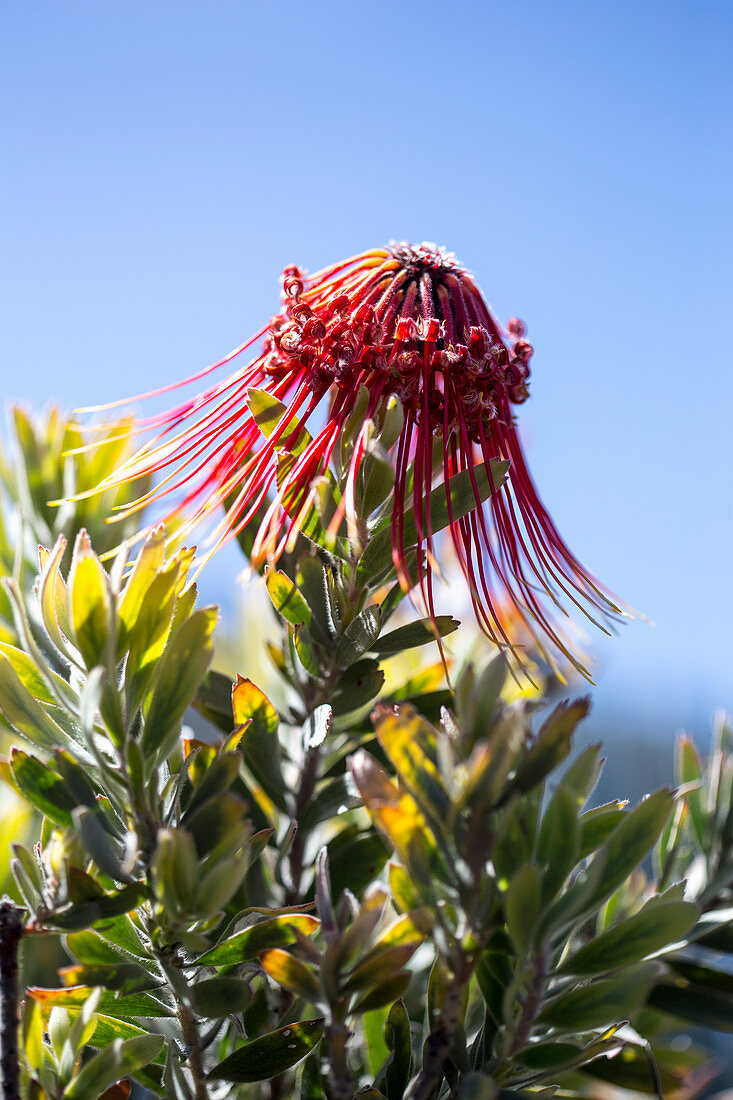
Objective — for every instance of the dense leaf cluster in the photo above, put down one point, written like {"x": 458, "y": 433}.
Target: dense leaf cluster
{"x": 379, "y": 886}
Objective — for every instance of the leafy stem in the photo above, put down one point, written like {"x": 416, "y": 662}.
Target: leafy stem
{"x": 190, "y": 1034}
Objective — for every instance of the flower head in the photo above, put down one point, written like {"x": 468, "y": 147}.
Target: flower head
{"x": 402, "y": 333}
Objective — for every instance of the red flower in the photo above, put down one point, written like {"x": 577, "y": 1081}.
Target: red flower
{"x": 406, "y": 321}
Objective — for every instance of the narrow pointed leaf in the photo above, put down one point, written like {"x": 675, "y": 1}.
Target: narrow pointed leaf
{"x": 270, "y": 1054}
{"x": 378, "y": 553}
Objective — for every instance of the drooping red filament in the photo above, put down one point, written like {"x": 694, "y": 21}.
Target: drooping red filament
{"x": 406, "y": 321}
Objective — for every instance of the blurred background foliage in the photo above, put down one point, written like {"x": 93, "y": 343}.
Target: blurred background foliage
{"x": 43, "y": 459}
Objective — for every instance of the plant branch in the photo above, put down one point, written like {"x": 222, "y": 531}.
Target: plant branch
{"x": 306, "y": 788}
{"x": 11, "y": 932}
{"x": 342, "y": 1081}
{"x": 190, "y": 1035}
{"x": 438, "y": 1045}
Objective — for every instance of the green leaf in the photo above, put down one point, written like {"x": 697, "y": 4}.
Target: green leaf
{"x": 522, "y": 903}
{"x": 695, "y": 1004}
{"x": 29, "y": 892}
{"x": 583, "y": 774}
{"x": 397, "y": 1037}
{"x": 377, "y": 554}
{"x": 549, "y": 1056}
{"x": 630, "y": 1069}
{"x": 287, "y": 598}
{"x": 270, "y": 415}
{"x": 137, "y": 1004}
{"x": 313, "y": 580}
{"x": 98, "y": 843}
{"x": 43, "y": 788}
{"x": 311, "y": 507}
{"x": 218, "y": 777}
{"x": 82, "y": 887}
{"x": 52, "y": 595}
{"x": 715, "y": 929}
{"x": 658, "y": 924}
{"x": 410, "y": 744}
{"x": 358, "y": 686}
{"x": 613, "y": 862}
{"x": 629, "y": 843}
{"x": 311, "y": 1084}
{"x": 553, "y": 743}
{"x": 81, "y": 915}
{"x": 603, "y": 1002}
{"x": 32, "y": 1034}
{"x": 213, "y": 699}
{"x": 708, "y": 977}
{"x": 379, "y": 965}
{"x": 220, "y": 996}
{"x": 178, "y": 675}
{"x": 414, "y": 634}
{"x": 292, "y": 439}
{"x": 122, "y": 933}
{"x": 291, "y": 973}
{"x": 24, "y": 713}
{"x": 558, "y": 843}
{"x": 30, "y": 865}
{"x": 377, "y": 476}
{"x": 120, "y": 1058}
{"x": 78, "y": 784}
{"x": 147, "y": 567}
{"x": 494, "y": 974}
{"x": 90, "y": 949}
{"x": 331, "y": 796}
{"x": 90, "y": 604}
{"x": 246, "y": 945}
{"x": 358, "y": 637}
{"x": 146, "y": 635}
{"x": 216, "y": 821}
{"x": 108, "y": 1029}
{"x": 690, "y": 773}
{"x": 384, "y": 993}
{"x": 403, "y": 892}
{"x": 270, "y": 1054}
{"x": 259, "y": 743}
{"x": 355, "y": 859}
{"x": 398, "y": 816}
{"x": 220, "y": 883}
{"x": 308, "y": 653}
{"x": 596, "y": 825}
{"x": 36, "y": 680}
{"x": 126, "y": 976}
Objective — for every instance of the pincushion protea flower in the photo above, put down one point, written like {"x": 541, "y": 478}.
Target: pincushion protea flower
{"x": 405, "y": 322}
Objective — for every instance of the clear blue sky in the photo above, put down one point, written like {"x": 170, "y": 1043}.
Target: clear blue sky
{"x": 161, "y": 162}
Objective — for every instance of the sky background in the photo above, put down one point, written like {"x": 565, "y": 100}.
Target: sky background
{"x": 162, "y": 162}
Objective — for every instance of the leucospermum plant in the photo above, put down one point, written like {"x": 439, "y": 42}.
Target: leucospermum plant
{"x": 417, "y": 382}
{"x": 384, "y": 886}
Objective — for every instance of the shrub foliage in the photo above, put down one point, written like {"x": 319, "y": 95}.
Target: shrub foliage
{"x": 371, "y": 884}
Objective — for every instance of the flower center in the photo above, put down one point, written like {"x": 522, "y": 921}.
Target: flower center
{"x": 407, "y": 320}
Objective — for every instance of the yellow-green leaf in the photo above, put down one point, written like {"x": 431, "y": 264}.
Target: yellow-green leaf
{"x": 90, "y": 603}
{"x": 291, "y": 973}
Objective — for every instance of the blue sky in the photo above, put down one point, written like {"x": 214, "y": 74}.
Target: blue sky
{"x": 163, "y": 161}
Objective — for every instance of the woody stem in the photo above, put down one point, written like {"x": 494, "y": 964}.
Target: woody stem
{"x": 190, "y": 1035}
{"x": 306, "y": 788}
{"x": 11, "y": 932}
